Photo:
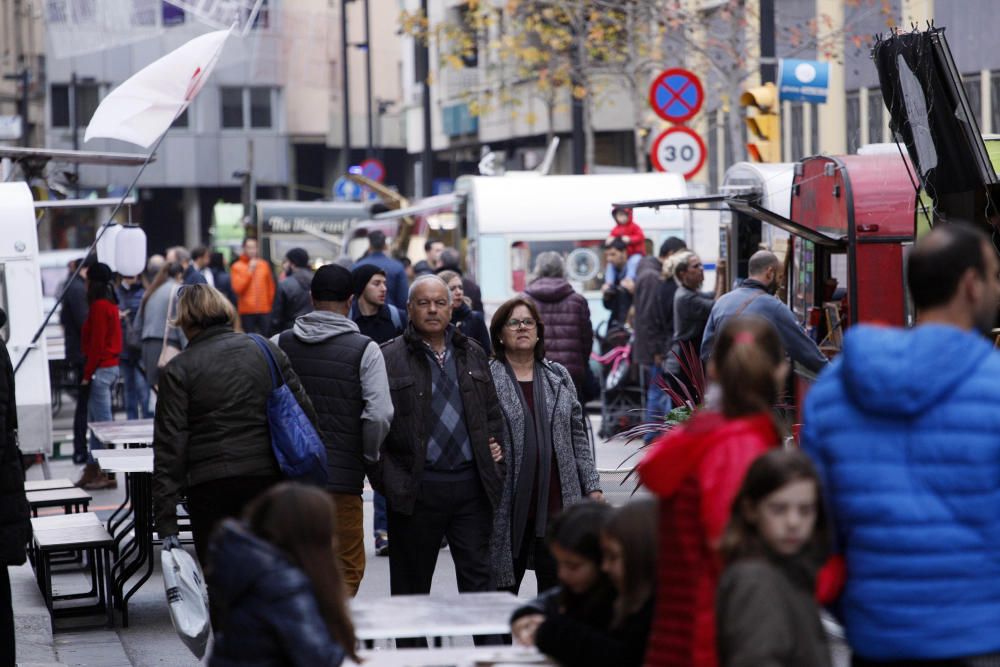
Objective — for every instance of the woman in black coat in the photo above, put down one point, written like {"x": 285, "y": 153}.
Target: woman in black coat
{"x": 15, "y": 516}
{"x": 466, "y": 320}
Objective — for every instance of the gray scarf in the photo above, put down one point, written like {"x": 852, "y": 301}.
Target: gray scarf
{"x": 537, "y": 463}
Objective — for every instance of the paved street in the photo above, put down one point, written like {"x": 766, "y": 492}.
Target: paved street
{"x": 150, "y": 639}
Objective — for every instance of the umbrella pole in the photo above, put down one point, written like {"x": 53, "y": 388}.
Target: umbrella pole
{"x": 91, "y": 249}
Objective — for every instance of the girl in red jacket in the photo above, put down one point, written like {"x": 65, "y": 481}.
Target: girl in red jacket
{"x": 101, "y": 345}
{"x": 696, "y": 470}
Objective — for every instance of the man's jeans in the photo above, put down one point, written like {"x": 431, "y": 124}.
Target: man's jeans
{"x": 381, "y": 523}
{"x": 99, "y": 405}
{"x": 136, "y": 390}
{"x": 657, "y": 400}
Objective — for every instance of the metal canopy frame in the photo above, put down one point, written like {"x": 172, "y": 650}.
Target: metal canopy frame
{"x": 790, "y": 226}
{"x": 682, "y": 201}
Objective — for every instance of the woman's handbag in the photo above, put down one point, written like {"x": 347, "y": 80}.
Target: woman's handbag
{"x": 170, "y": 348}
{"x": 300, "y": 451}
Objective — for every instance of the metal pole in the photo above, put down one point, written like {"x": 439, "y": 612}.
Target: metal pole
{"x": 25, "y": 103}
{"x": 424, "y": 71}
{"x": 345, "y": 158}
{"x": 768, "y": 64}
{"x": 368, "y": 81}
{"x": 73, "y": 109}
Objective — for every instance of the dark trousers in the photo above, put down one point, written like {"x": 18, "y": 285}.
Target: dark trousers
{"x": 210, "y": 503}
{"x": 545, "y": 565}
{"x": 381, "y": 523}
{"x": 458, "y": 510}
{"x": 80, "y": 418}
{"x": 7, "y": 648}
{"x": 257, "y": 324}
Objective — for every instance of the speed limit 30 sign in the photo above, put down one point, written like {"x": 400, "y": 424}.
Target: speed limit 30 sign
{"x": 679, "y": 150}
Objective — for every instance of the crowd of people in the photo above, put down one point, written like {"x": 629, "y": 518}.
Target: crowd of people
{"x": 474, "y": 434}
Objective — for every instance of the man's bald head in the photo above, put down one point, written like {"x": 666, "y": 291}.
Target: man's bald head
{"x": 765, "y": 267}
{"x": 761, "y": 261}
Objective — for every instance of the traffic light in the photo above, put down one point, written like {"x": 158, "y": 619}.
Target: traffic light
{"x": 764, "y": 123}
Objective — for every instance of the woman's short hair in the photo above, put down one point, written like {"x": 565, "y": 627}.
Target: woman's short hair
{"x": 202, "y": 306}
{"x": 449, "y": 275}
{"x": 499, "y": 321}
{"x": 550, "y": 264}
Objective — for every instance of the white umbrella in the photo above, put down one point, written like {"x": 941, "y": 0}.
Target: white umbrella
{"x": 141, "y": 109}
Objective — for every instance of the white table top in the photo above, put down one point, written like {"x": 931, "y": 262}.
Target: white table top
{"x": 452, "y": 657}
{"x": 128, "y": 432}
{"x": 454, "y": 615}
{"x": 136, "y": 460}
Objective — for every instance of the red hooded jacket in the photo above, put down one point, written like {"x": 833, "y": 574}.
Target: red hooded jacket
{"x": 696, "y": 471}
{"x": 636, "y": 237}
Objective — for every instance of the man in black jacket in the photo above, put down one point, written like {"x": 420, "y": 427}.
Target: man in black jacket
{"x": 343, "y": 373}
{"x": 652, "y": 337}
{"x": 441, "y": 469}
{"x": 381, "y": 322}
{"x": 15, "y": 517}
{"x": 72, "y": 316}
{"x": 291, "y": 297}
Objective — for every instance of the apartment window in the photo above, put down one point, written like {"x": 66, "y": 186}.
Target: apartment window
{"x": 182, "y": 120}
{"x": 171, "y": 14}
{"x": 260, "y": 107}
{"x": 974, "y": 93}
{"x": 245, "y": 108}
{"x": 798, "y": 131}
{"x": 995, "y": 101}
{"x": 232, "y": 108}
{"x": 875, "y": 113}
{"x": 87, "y": 98}
{"x": 814, "y": 129}
{"x": 853, "y": 122}
{"x": 144, "y": 13}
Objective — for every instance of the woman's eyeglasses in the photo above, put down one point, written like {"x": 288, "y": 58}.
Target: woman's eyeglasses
{"x": 527, "y": 323}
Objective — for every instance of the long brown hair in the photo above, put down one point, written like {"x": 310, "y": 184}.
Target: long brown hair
{"x": 299, "y": 520}
{"x": 746, "y": 357}
{"x": 499, "y": 321}
{"x": 768, "y": 474}
{"x": 634, "y": 526}
{"x": 167, "y": 271}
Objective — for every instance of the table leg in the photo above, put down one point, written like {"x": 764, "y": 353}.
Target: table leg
{"x": 142, "y": 508}
{"x": 119, "y": 515}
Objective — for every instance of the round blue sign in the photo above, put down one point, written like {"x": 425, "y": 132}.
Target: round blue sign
{"x": 676, "y": 95}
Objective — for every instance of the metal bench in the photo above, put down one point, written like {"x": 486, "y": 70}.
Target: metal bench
{"x": 71, "y": 500}
{"x": 47, "y": 485}
{"x": 83, "y": 535}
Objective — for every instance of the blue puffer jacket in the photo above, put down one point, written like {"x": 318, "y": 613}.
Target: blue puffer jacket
{"x": 270, "y": 615}
{"x": 905, "y": 428}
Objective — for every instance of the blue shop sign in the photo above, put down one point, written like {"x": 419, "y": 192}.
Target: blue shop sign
{"x": 803, "y": 80}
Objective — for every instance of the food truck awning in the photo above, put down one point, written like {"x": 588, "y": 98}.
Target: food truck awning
{"x": 680, "y": 201}
{"x": 781, "y": 222}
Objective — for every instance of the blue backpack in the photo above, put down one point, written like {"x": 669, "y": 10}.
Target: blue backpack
{"x": 298, "y": 447}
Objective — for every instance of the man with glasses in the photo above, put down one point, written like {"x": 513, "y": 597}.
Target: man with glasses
{"x": 441, "y": 469}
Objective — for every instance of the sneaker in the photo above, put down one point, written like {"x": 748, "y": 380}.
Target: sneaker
{"x": 382, "y": 544}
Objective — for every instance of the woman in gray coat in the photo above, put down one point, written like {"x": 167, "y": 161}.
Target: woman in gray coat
{"x": 152, "y": 317}
{"x": 550, "y": 464}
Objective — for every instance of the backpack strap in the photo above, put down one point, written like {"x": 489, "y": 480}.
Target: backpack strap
{"x": 276, "y": 378}
{"x": 397, "y": 321}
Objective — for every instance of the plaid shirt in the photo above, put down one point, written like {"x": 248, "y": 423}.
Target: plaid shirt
{"x": 448, "y": 446}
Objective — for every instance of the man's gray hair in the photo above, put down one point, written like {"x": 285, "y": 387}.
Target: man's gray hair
{"x": 550, "y": 264}
{"x": 180, "y": 253}
{"x": 426, "y": 278}
{"x": 761, "y": 261}
{"x": 679, "y": 262}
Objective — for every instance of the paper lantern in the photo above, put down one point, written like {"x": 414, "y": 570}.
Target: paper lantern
{"x": 130, "y": 250}
{"x": 106, "y": 246}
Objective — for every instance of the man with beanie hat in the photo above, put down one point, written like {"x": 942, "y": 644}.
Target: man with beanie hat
{"x": 291, "y": 299}
{"x": 344, "y": 374}
{"x": 381, "y": 322}
{"x": 395, "y": 273}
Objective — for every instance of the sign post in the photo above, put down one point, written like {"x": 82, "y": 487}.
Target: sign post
{"x": 679, "y": 150}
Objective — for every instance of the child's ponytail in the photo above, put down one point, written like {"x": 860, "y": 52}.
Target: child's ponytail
{"x": 747, "y": 355}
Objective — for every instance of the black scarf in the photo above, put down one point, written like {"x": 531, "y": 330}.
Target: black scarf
{"x": 537, "y": 461}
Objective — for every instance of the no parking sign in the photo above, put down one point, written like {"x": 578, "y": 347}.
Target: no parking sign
{"x": 679, "y": 150}
{"x": 676, "y": 95}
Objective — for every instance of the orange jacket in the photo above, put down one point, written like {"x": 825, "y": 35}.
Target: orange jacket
{"x": 254, "y": 292}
